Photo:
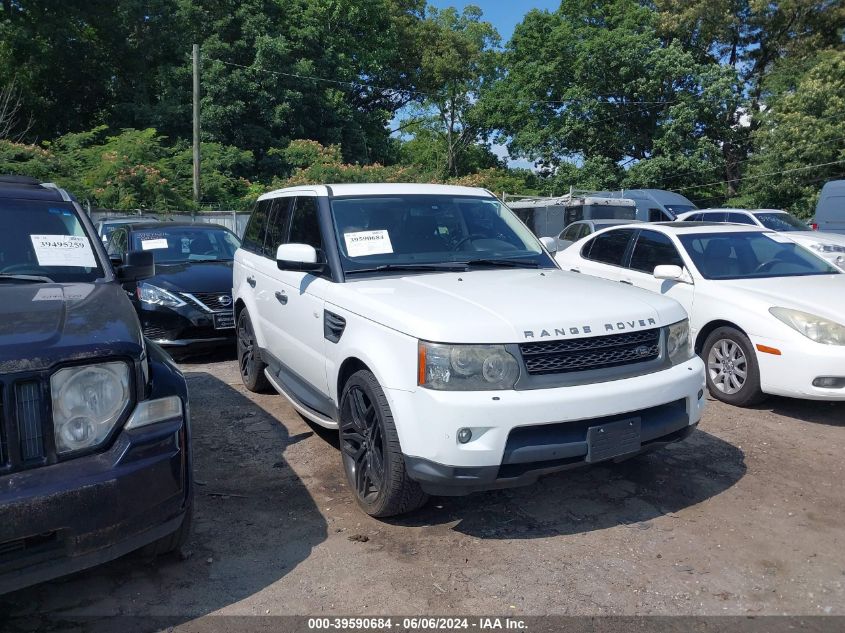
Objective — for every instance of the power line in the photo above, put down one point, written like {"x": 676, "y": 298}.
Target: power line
{"x": 773, "y": 173}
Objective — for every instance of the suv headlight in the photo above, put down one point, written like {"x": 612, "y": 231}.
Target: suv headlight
{"x": 154, "y": 295}
{"x": 87, "y": 403}
{"x": 814, "y": 327}
{"x": 466, "y": 367}
{"x": 678, "y": 344}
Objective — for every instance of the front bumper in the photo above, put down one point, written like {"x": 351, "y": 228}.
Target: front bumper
{"x": 72, "y": 515}
{"x": 800, "y": 362}
{"x": 520, "y": 435}
{"x": 184, "y": 327}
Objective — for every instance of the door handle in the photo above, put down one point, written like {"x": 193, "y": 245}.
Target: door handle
{"x": 251, "y": 281}
{"x": 574, "y": 270}
{"x": 282, "y": 297}
{"x": 625, "y": 281}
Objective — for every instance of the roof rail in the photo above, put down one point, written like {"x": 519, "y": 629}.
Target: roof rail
{"x": 64, "y": 194}
{"x": 12, "y": 179}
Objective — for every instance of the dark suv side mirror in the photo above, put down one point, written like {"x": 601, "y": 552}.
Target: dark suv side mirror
{"x": 136, "y": 265}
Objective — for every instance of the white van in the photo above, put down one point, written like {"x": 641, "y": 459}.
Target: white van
{"x": 830, "y": 210}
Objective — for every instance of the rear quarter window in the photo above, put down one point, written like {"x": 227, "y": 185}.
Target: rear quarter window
{"x": 608, "y": 248}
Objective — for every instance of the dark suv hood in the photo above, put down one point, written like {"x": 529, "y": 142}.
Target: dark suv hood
{"x": 44, "y": 324}
{"x": 194, "y": 277}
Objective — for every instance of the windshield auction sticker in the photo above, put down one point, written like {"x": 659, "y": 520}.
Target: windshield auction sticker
{"x": 149, "y": 245}
{"x": 63, "y": 250}
{"x": 368, "y": 243}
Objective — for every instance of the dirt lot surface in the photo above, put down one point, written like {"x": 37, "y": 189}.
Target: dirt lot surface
{"x": 747, "y": 516}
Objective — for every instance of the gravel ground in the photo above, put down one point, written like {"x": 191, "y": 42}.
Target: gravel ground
{"x": 745, "y": 517}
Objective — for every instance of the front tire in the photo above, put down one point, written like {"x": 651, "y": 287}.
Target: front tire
{"x": 733, "y": 375}
{"x": 250, "y": 365}
{"x": 369, "y": 448}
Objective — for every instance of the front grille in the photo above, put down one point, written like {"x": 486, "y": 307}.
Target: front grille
{"x": 595, "y": 352}
{"x": 28, "y": 397}
{"x": 214, "y": 301}
{"x": 156, "y": 333}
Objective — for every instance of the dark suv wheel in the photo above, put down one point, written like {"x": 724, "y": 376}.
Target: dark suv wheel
{"x": 372, "y": 457}
{"x": 249, "y": 360}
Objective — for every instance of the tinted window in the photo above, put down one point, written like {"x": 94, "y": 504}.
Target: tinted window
{"x": 46, "y": 239}
{"x": 656, "y": 215}
{"x": 172, "y": 244}
{"x": 695, "y": 217}
{"x": 654, "y": 249}
{"x": 277, "y": 228}
{"x": 751, "y": 255}
{"x": 305, "y": 225}
{"x": 117, "y": 242}
{"x": 583, "y": 231}
{"x": 255, "y": 228}
{"x": 571, "y": 232}
{"x": 609, "y": 248}
{"x": 781, "y": 222}
{"x": 739, "y": 218}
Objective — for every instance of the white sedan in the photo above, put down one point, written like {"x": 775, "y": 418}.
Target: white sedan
{"x": 830, "y": 246}
{"x": 766, "y": 315}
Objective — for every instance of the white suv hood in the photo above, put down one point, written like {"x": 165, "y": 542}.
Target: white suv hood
{"x": 504, "y": 306}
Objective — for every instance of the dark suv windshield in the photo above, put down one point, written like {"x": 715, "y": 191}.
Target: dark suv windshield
{"x": 751, "y": 256}
{"x": 171, "y": 245}
{"x": 411, "y": 230}
{"x": 45, "y": 240}
{"x": 781, "y": 222}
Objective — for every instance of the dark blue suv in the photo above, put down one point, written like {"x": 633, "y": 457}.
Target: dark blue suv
{"x": 95, "y": 437}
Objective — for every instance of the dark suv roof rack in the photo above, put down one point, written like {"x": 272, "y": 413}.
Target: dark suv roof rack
{"x": 11, "y": 179}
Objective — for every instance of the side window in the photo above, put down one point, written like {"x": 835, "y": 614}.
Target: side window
{"x": 610, "y": 247}
{"x": 656, "y": 215}
{"x": 739, "y": 218}
{"x": 117, "y": 243}
{"x": 277, "y": 227}
{"x": 716, "y": 216}
{"x": 305, "y": 225}
{"x": 254, "y": 233}
{"x": 583, "y": 231}
{"x": 654, "y": 249}
{"x": 571, "y": 233}
{"x": 695, "y": 217}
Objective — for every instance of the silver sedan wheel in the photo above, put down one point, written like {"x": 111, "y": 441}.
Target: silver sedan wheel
{"x": 727, "y": 366}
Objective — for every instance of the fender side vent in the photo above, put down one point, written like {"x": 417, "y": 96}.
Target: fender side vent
{"x": 333, "y": 326}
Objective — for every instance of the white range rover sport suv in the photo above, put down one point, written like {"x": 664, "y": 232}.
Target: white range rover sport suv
{"x": 432, "y": 329}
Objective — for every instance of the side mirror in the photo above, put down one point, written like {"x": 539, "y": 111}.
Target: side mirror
{"x": 136, "y": 265}
{"x": 299, "y": 257}
{"x": 550, "y": 243}
{"x": 671, "y": 273}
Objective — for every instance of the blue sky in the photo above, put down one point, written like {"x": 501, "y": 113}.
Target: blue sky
{"x": 504, "y": 14}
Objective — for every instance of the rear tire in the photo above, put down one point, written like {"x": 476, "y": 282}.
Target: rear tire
{"x": 370, "y": 451}
{"x": 250, "y": 365}
{"x": 733, "y": 375}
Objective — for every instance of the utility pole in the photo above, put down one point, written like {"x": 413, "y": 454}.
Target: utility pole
{"x": 196, "y": 55}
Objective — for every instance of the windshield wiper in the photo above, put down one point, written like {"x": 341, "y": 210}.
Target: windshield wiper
{"x": 26, "y": 278}
{"x": 502, "y": 263}
{"x": 448, "y": 266}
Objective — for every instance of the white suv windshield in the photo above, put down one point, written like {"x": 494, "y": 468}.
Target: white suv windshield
{"x": 45, "y": 241}
{"x": 396, "y": 231}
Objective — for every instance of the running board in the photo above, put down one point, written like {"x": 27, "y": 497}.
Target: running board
{"x": 315, "y": 417}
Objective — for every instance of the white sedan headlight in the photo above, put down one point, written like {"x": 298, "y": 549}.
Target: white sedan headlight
{"x": 466, "y": 367}
{"x": 87, "y": 403}
{"x": 154, "y": 295}
{"x": 814, "y": 327}
{"x": 828, "y": 248}
{"x": 678, "y": 344}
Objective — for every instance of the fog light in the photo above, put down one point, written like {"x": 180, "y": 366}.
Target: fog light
{"x": 829, "y": 382}
{"x": 464, "y": 435}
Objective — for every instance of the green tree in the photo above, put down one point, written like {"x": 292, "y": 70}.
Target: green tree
{"x": 800, "y": 142}
{"x": 456, "y": 61}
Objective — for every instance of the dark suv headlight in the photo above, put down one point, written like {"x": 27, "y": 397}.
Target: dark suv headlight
{"x": 88, "y": 401}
